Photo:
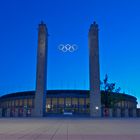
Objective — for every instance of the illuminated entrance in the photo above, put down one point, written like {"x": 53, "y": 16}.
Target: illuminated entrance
{"x": 74, "y": 103}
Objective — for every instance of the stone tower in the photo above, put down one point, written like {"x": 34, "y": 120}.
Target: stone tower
{"x": 94, "y": 71}
{"x": 40, "y": 95}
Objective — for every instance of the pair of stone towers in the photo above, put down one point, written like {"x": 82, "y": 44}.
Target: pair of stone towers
{"x": 94, "y": 72}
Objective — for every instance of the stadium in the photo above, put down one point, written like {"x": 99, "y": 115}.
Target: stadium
{"x": 92, "y": 102}
{"x": 64, "y": 102}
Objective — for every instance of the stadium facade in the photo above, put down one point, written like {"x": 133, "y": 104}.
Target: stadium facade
{"x": 90, "y": 102}
{"x": 74, "y": 102}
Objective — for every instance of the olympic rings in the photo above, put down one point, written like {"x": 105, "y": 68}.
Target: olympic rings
{"x": 67, "y": 47}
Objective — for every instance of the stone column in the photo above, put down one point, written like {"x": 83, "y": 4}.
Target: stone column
{"x": 24, "y": 112}
{"x": 138, "y": 112}
{"x": 118, "y": 112}
{"x": 126, "y": 112}
{"x": 40, "y": 95}
{"x": 110, "y": 112}
{"x": 94, "y": 72}
{"x": 8, "y": 112}
{"x": 0, "y": 112}
{"x": 134, "y": 113}
{"x": 16, "y": 112}
{"x": 32, "y": 112}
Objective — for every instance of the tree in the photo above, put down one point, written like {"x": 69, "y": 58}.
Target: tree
{"x": 108, "y": 88}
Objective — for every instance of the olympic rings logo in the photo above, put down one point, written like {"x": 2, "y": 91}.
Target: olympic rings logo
{"x": 67, "y": 48}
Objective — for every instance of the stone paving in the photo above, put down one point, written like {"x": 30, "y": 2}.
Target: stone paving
{"x": 69, "y": 129}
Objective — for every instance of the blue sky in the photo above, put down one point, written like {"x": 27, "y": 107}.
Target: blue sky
{"x": 68, "y": 21}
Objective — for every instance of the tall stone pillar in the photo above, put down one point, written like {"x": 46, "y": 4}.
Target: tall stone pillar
{"x": 94, "y": 72}
{"x": 40, "y": 95}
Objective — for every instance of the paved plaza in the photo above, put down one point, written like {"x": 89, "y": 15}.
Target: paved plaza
{"x": 69, "y": 129}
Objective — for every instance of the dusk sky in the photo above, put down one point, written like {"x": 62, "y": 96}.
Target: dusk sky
{"x": 68, "y": 22}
